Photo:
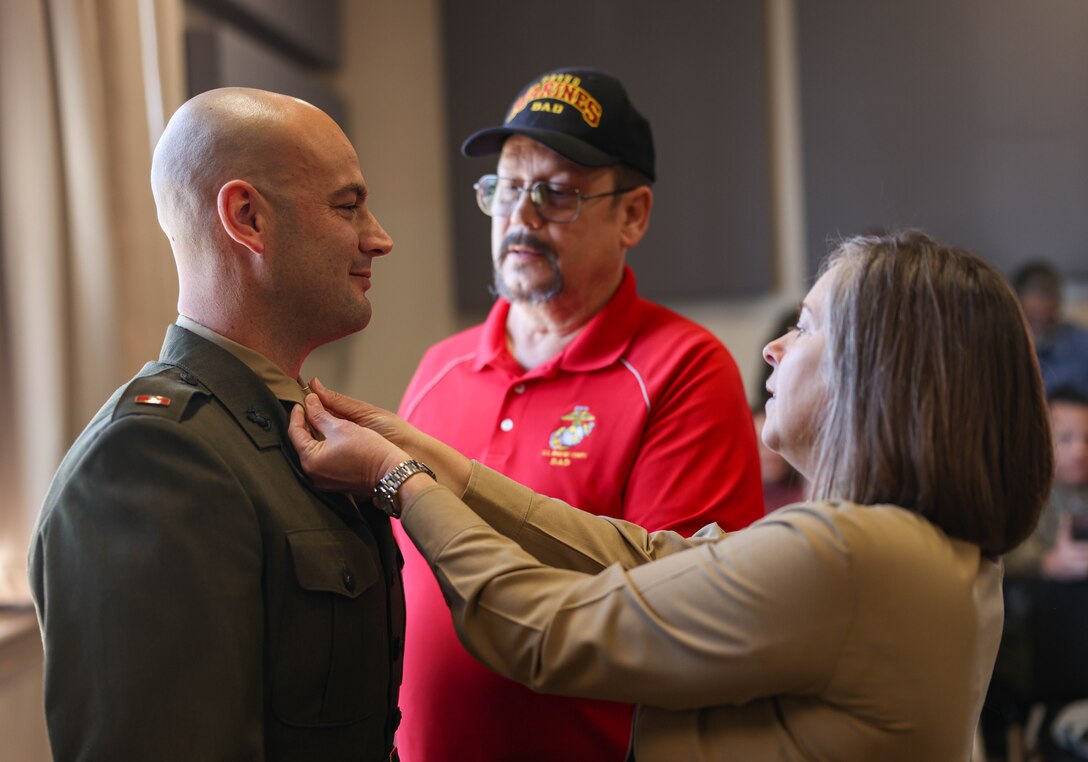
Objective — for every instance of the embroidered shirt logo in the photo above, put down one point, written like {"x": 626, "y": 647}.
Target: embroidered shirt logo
{"x": 580, "y": 424}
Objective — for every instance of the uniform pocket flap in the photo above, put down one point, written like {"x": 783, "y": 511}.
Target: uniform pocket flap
{"x": 332, "y": 561}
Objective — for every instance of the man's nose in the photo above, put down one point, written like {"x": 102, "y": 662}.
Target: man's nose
{"x": 375, "y": 241}
{"x": 525, "y": 210}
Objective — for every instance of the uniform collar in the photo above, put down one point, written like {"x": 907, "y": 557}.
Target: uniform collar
{"x": 202, "y": 362}
{"x": 600, "y": 343}
{"x": 249, "y": 400}
{"x": 283, "y": 386}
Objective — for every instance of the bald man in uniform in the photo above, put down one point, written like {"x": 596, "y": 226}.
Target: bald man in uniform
{"x": 198, "y": 598}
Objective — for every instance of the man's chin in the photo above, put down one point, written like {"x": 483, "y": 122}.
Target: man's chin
{"x": 528, "y": 292}
{"x": 534, "y": 296}
{"x": 349, "y": 324}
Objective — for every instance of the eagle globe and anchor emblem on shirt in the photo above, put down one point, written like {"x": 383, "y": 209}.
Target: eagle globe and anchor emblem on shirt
{"x": 578, "y": 424}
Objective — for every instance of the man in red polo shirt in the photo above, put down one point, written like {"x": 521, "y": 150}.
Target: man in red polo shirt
{"x": 576, "y": 387}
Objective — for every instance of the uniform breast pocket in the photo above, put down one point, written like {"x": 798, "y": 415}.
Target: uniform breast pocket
{"x": 332, "y": 660}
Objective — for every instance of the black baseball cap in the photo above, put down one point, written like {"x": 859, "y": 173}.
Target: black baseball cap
{"x": 582, "y": 114}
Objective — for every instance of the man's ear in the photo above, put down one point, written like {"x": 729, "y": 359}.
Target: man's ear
{"x": 635, "y": 210}
{"x": 243, "y": 213}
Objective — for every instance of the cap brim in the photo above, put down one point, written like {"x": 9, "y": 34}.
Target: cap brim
{"x": 489, "y": 141}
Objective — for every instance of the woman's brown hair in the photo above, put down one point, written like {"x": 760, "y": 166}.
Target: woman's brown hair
{"x": 935, "y": 401}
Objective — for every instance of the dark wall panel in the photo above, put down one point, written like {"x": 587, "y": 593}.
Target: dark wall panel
{"x": 307, "y": 30}
{"x": 221, "y": 56}
{"x": 967, "y": 118}
{"x": 695, "y": 68}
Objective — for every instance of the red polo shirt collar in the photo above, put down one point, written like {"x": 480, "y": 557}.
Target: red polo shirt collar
{"x": 600, "y": 343}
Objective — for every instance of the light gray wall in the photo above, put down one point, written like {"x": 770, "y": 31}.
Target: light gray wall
{"x": 391, "y": 78}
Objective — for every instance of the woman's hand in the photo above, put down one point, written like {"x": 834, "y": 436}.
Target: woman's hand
{"x": 350, "y": 458}
{"x": 451, "y": 467}
{"x": 396, "y": 430}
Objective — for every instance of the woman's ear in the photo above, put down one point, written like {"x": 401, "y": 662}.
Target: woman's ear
{"x": 636, "y": 208}
{"x": 243, "y": 213}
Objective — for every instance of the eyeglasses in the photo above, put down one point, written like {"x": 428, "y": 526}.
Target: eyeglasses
{"x": 498, "y": 197}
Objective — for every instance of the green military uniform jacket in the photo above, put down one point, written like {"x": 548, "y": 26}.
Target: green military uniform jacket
{"x": 198, "y": 598}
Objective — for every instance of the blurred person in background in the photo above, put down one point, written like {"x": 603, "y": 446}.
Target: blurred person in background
{"x": 1058, "y": 548}
{"x": 1062, "y": 347}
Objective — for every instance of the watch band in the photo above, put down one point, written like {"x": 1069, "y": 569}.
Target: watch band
{"x": 386, "y": 489}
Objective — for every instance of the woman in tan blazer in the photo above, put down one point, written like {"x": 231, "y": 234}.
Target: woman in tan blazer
{"x": 861, "y": 625}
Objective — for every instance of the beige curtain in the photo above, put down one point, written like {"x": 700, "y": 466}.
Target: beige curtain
{"x": 87, "y": 282}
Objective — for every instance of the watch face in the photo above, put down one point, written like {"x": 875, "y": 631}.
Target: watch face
{"x": 382, "y": 501}
{"x": 386, "y": 489}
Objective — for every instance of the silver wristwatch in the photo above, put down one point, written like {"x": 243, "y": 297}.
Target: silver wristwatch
{"x": 386, "y": 488}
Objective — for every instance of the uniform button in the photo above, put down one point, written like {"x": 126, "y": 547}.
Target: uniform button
{"x": 349, "y": 582}
{"x": 506, "y": 424}
{"x": 520, "y": 388}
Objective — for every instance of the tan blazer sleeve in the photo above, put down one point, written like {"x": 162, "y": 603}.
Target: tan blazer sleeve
{"x": 571, "y": 539}
{"x": 634, "y": 616}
